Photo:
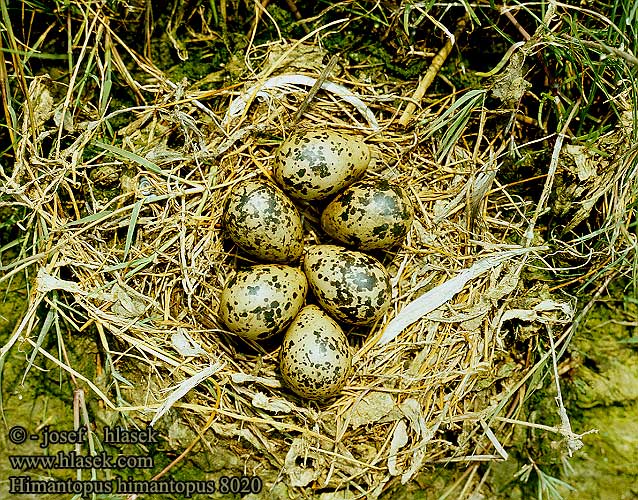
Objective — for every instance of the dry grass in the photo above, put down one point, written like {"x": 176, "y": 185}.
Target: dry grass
{"x": 124, "y": 236}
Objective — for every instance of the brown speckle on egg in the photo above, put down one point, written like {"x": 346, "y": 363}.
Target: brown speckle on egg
{"x": 315, "y": 164}
{"x": 369, "y": 215}
{"x": 261, "y": 301}
{"x": 263, "y": 221}
{"x": 315, "y": 359}
{"x": 351, "y": 286}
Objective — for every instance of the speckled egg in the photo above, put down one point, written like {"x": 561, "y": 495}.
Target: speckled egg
{"x": 369, "y": 215}
{"x": 351, "y": 286}
{"x": 315, "y": 164}
{"x": 315, "y": 358}
{"x": 263, "y": 221}
{"x": 261, "y": 301}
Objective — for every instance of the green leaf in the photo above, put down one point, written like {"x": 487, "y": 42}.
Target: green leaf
{"x": 129, "y": 155}
{"x": 131, "y": 227}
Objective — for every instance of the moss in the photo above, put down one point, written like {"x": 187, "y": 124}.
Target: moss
{"x": 608, "y": 370}
{"x": 603, "y": 395}
{"x": 606, "y": 469}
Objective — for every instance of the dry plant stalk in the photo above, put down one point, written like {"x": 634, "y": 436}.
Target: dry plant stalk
{"x": 434, "y": 68}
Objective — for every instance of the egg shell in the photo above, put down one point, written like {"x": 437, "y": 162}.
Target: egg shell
{"x": 351, "y": 286}
{"x": 261, "y": 301}
{"x": 263, "y": 222}
{"x": 315, "y": 164}
{"x": 369, "y": 215}
{"x": 315, "y": 359}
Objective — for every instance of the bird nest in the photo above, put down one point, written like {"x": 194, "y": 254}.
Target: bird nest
{"x": 134, "y": 249}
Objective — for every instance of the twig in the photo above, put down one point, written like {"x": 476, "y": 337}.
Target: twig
{"x": 313, "y": 91}
{"x": 516, "y": 24}
{"x": 295, "y": 12}
{"x": 428, "y": 78}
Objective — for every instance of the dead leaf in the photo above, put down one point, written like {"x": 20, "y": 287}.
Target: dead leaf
{"x": 399, "y": 440}
{"x": 273, "y": 405}
{"x": 371, "y": 408}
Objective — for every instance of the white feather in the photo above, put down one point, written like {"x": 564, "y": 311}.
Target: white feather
{"x": 278, "y": 86}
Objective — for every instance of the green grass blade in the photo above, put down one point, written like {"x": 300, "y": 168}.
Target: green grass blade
{"x": 131, "y": 228}
{"x": 90, "y": 218}
{"x": 129, "y": 155}
{"x": 48, "y": 322}
{"x": 454, "y": 120}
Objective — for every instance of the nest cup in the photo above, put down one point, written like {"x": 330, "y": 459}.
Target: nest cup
{"x": 148, "y": 265}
